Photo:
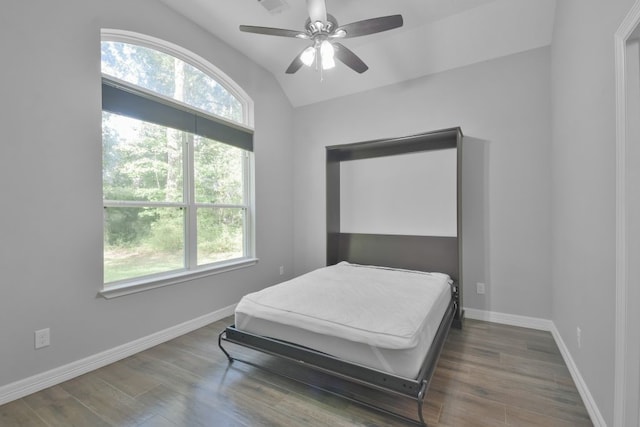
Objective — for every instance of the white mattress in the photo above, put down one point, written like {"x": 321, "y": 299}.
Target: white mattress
{"x": 378, "y": 317}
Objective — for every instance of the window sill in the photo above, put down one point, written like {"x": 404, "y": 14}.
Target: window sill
{"x": 142, "y": 285}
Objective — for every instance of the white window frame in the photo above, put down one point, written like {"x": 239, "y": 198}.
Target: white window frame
{"x": 192, "y": 271}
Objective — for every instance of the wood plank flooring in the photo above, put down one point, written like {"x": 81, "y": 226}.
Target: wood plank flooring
{"x": 488, "y": 375}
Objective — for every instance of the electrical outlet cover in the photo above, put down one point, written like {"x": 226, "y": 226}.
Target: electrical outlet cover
{"x": 42, "y": 338}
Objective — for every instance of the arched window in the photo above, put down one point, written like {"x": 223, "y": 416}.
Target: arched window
{"x": 177, "y": 161}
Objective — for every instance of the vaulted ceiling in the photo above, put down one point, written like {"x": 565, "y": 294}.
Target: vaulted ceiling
{"x": 437, "y": 35}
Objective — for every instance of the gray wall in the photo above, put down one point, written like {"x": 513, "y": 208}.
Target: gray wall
{"x": 583, "y": 191}
{"x": 50, "y": 184}
{"x": 503, "y": 107}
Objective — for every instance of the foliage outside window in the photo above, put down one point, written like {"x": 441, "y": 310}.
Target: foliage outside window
{"x": 175, "y": 199}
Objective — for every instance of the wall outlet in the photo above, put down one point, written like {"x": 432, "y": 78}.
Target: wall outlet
{"x": 42, "y": 338}
{"x": 480, "y": 288}
{"x": 281, "y": 270}
{"x": 579, "y": 336}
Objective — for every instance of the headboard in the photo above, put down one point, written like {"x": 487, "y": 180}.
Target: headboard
{"x": 425, "y": 253}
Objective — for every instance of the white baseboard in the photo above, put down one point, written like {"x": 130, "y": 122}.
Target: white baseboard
{"x": 587, "y": 398}
{"x": 546, "y": 325}
{"x": 38, "y": 382}
{"x": 509, "y": 319}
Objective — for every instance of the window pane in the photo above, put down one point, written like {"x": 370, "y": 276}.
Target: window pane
{"x": 220, "y": 234}
{"x": 218, "y": 172}
{"x": 169, "y": 76}
{"x": 141, "y": 161}
{"x": 142, "y": 241}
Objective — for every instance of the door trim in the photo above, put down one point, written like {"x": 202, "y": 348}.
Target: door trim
{"x": 622, "y": 332}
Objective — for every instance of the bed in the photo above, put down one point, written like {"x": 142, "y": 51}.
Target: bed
{"x": 378, "y": 314}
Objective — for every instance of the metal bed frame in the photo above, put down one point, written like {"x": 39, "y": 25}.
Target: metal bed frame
{"x": 424, "y": 253}
{"x": 414, "y": 389}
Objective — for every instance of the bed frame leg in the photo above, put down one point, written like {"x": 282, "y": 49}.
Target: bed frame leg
{"x": 421, "y": 395}
{"x": 229, "y": 358}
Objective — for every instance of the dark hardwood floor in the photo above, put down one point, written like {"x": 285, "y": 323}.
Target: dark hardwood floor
{"x": 488, "y": 375}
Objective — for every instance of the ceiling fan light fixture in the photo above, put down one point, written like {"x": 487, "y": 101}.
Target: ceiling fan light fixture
{"x": 308, "y": 56}
{"x": 328, "y": 63}
{"x": 327, "y": 53}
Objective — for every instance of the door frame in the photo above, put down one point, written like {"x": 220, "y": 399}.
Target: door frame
{"x": 623, "y": 334}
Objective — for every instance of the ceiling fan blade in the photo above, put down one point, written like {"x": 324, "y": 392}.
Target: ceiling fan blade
{"x": 296, "y": 64}
{"x": 317, "y": 10}
{"x": 371, "y": 26}
{"x": 273, "y": 31}
{"x": 349, "y": 58}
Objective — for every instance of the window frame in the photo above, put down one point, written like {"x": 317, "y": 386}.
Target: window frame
{"x": 191, "y": 270}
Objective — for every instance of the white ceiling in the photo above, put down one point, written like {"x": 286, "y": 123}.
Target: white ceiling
{"x": 437, "y": 35}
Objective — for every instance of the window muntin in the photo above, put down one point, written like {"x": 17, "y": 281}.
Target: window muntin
{"x": 174, "y": 200}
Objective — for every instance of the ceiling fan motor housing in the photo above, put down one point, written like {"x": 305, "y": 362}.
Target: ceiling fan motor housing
{"x": 326, "y": 27}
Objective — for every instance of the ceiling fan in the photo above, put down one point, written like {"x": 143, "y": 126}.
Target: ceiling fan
{"x": 323, "y": 31}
